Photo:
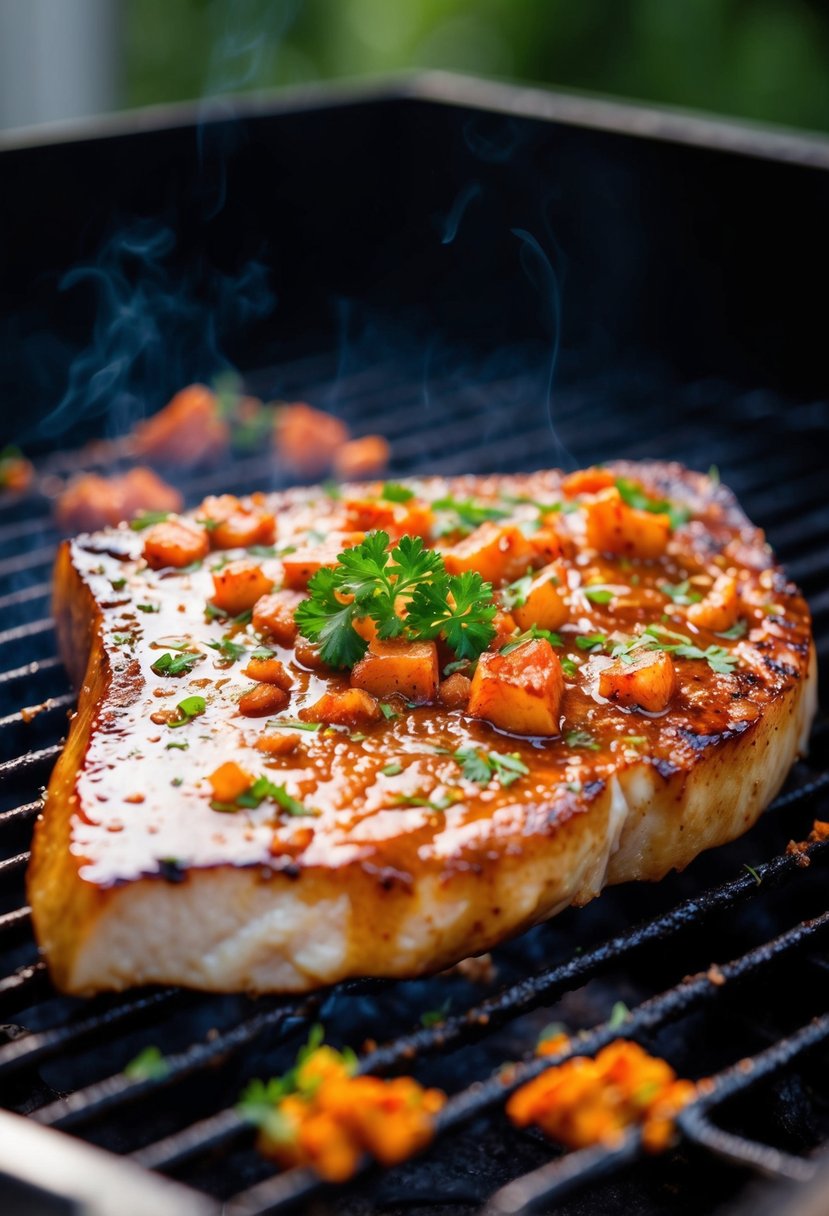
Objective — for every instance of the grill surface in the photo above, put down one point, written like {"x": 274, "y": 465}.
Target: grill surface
{"x": 748, "y": 923}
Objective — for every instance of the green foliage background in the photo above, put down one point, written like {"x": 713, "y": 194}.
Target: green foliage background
{"x": 762, "y": 59}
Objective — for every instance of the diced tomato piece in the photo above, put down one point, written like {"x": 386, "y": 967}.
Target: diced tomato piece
{"x": 499, "y": 552}
{"x": 409, "y": 669}
{"x": 232, "y": 524}
{"x": 280, "y": 744}
{"x": 263, "y": 699}
{"x": 300, "y": 567}
{"x": 647, "y": 680}
{"x": 361, "y": 458}
{"x": 189, "y": 430}
{"x": 174, "y": 543}
{"x": 587, "y": 481}
{"x": 720, "y": 607}
{"x": 614, "y": 527}
{"x": 454, "y": 691}
{"x": 544, "y": 605}
{"x": 229, "y": 781}
{"x": 268, "y": 671}
{"x": 520, "y": 691}
{"x": 238, "y": 585}
{"x": 273, "y": 615}
{"x": 307, "y": 439}
{"x": 351, "y": 707}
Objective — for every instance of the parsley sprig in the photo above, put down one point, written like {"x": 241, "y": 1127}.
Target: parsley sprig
{"x": 406, "y": 592}
{"x": 255, "y": 795}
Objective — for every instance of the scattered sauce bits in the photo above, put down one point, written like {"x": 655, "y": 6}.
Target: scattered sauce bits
{"x": 323, "y": 1116}
{"x": 588, "y": 1100}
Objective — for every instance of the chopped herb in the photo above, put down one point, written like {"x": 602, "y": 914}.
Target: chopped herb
{"x": 465, "y": 514}
{"x": 123, "y": 639}
{"x": 118, "y": 584}
{"x": 531, "y": 634}
{"x": 514, "y": 595}
{"x": 209, "y": 525}
{"x": 332, "y": 490}
{"x": 148, "y": 607}
{"x": 599, "y": 595}
{"x": 717, "y": 657}
{"x": 177, "y": 781}
{"x": 738, "y": 630}
{"x": 441, "y": 804}
{"x": 758, "y": 878}
{"x": 459, "y": 665}
{"x": 680, "y": 593}
{"x": 393, "y": 491}
{"x": 619, "y": 1014}
{"x": 262, "y": 550}
{"x": 521, "y": 500}
{"x": 214, "y": 613}
{"x": 292, "y": 724}
{"x": 174, "y": 743}
{"x": 593, "y": 642}
{"x": 168, "y": 665}
{"x": 635, "y": 496}
{"x": 148, "y": 1065}
{"x": 480, "y": 766}
{"x": 229, "y": 650}
{"x": 569, "y": 668}
{"x": 388, "y": 711}
{"x": 256, "y": 794}
{"x": 262, "y": 652}
{"x": 391, "y": 770}
{"x": 634, "y": 740}
{"x": 581, "y": 738}
{"x": 434, "y": 1017}
{"x": 259, "y": 1103}
{"x": 147, "y": 518}
{"x": 189, "y": 708}
{"x": 458, "y": 608}
{"x": 192, "y": 568}
{"x": 714, "y": 475}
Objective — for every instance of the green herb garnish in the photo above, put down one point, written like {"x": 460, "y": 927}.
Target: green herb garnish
{"x": 635, "y": 496}
{"x": 532, "y": 634}
{"x": 458, "y": 608}
{"x": 148, "y": 1065}
{"x": 147, "y": 518}
{"x": 680, "y": 593}
{"x": 393, "y": 491}
{"x": 581, "y": 738}
{"x": 480, "y": 766}
{"x": 169, "y": 665}
{"x": 189, "y": 708}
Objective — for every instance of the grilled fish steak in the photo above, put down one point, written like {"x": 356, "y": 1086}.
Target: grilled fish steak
{"x": 229, "y": 813}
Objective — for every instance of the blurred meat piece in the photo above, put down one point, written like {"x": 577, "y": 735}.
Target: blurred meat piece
{"x": 91, "y": 501}
{"x": 16, "y": 472}
{"x": 190, "y": 430}
{"x": 361, "y": 458}
{"x": 307, "y": 440}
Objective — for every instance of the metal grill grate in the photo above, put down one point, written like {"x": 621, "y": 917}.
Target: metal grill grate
{"x": 750, "y": 936}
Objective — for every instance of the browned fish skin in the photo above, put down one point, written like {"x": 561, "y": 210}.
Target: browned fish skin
{"x": 135, "y": 879}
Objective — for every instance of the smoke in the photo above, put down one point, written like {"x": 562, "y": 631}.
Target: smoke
{"x": 153, "y": 327}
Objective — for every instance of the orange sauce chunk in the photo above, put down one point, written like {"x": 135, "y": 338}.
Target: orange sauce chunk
{"x": 238, "y": 585}
{"x": 614, "y": 527}
{"x": 646, "y": 681}
{"x": 351, "y": 707}
{"x": 360, "y": 458}
{"x": 299, "y": 568}
{"x": 719, "y": 609}
{"x": 544, "y": 604}
{"x": 521, "y": 691}
{"x": 273, "y": 615}
{"x": 499, "y": 552}
{"x": 174, "y": 543}
{"x": 308, "y": 439}
{"x": 235, "y": 525}
{"x": 229, "y": 780}
{"x": 409, "y": 669}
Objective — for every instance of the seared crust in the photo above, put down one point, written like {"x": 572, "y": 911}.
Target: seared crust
{"x": 136, "y": 880}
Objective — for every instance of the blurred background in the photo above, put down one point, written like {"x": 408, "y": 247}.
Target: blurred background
{"x": 758, "y": 59}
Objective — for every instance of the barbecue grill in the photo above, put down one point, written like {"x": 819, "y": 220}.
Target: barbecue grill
{"x": 497, "y": 279}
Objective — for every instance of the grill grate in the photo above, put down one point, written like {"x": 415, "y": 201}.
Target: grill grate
{"x": 63, "y": 1061}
